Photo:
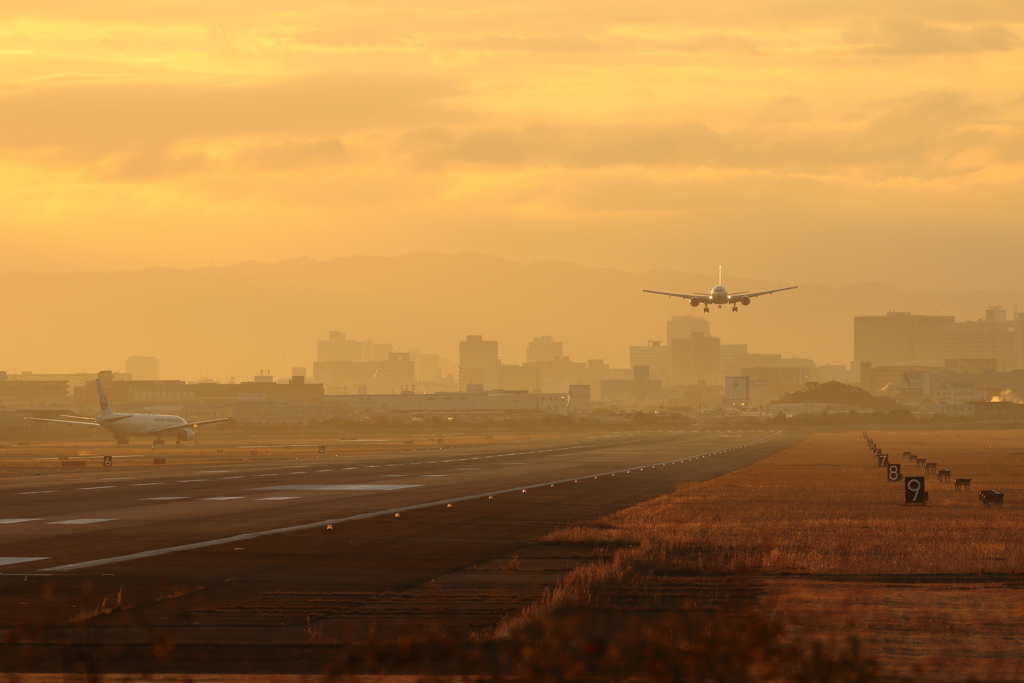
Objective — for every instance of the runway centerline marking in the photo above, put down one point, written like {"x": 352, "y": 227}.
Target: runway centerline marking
{"x": 16, "y": 520}
{"x": 352, "y": 518}
{"x": 19, "y": 560}
{"x": 337, "y": 487}
{"x": 83, "y": 521}
{"x": 189, "y": 481}
{"x": 223, "y": 498}
{"x": 280, "y": 498}
{"x": 93, "y": 488}
{"x": 29, "y": 493}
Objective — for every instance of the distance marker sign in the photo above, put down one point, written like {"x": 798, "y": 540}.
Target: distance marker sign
{"x": 894, "y": 473}
{"x": 913, "y": 490}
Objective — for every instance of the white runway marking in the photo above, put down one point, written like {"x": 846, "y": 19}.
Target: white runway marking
{"x": 15, "y": 520}
{"x": 189, "y": 481}
{"x": 433, "y": 475}
{"x": 83, "y": 521}
{"x": 366, "y": 515}
{"x": 93, "y": 488}
{"x": 241, "y": 476}
{"x": 166, "y": 498}
{"x": 150, "y": 483}
{"x": 29, "y": 493}
{"x": 18, "y": 560}
{"x": 280, "y": 498}
{"x": 223, "y": 498}
{"x": 337, "y": 487}
{"x": 264, "y": 475}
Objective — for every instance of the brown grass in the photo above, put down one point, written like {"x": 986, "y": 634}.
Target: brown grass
{"x": 815, "y": 530}
{"x": 823, "y": 507}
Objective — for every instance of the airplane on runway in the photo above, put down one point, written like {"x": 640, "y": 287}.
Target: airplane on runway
{"x": 720, "y": 296}
{"x": 123, "y": 425}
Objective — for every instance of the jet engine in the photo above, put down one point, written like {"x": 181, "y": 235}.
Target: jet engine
{"x": 185, "y": 434}
{"x": 745, "y": 301}
{"x": 694, "y": 303}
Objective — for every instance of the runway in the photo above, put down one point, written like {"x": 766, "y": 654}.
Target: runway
{"x": 222, "y": 541}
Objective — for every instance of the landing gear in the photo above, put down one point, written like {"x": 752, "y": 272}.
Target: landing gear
{"x": 707, "y": 309}
{"x": 734, "y": 309}
{"x": 178, "y": 442}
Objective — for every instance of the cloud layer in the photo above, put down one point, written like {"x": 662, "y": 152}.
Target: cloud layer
{"x": 608, "y": 134}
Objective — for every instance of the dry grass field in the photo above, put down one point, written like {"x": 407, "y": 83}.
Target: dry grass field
{"x": 831, "y": 551}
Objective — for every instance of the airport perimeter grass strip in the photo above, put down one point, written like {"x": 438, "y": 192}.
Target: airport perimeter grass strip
{"x": 367, "y": 515}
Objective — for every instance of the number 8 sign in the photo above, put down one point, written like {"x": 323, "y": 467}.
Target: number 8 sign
{"x": 894, "y": 473}
{"x": 913, "y": 491}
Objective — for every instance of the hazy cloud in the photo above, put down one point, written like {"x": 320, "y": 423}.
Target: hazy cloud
{"x": 89, "y": 120}
{"x": 911, "y": 36}
{"x": 295, "y": 154}
{"x": 908, "y": 136}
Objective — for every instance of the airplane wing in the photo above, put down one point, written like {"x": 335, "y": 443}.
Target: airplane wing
{"x": 699, "y": 297}
{"x": 740, "y": 295}
{"x": 66, "y": 422}
{"x": 190, "y": 424}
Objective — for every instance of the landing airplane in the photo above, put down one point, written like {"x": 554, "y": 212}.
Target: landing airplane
{"x": 720, "y": 296}
{"x": 123, "y": 425}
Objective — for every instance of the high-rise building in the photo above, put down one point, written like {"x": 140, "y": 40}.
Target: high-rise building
{"x": 683, "y": 327}
{"x": 474, "y": 352}
{"x": 991, "y": 339}
{"x": 733, "y": 358}
{"x": 655, "y": 356}
{"x": 900, "y": 339}
{"x": 428, "y": 366}
{"x": 697, "y": 359}
{"x": 144, "y": 368}
{"x": 543, "y": 349}
{"x": 337, "y": 349}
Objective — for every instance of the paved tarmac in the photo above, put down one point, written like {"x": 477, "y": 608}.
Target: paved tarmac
{"x": 240, "y": 554}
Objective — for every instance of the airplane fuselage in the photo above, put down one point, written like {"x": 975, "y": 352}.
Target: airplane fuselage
{"x": 134, "y": 424}
{"x": 720, "y": 295}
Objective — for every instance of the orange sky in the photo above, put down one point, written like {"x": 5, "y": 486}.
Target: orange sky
{"x": 833, "y": 141}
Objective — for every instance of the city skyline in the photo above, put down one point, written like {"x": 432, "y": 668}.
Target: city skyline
{"x": 252, "y": 317}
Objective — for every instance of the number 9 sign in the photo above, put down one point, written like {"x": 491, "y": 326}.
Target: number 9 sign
{"x": 913, "y": 491}
{"x": 894, "y": 473}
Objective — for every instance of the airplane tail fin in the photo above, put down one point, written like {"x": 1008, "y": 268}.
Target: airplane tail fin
{"x": 105, "y": 408}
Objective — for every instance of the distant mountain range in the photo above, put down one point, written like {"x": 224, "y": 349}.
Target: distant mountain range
{"x": 232, "y": 321}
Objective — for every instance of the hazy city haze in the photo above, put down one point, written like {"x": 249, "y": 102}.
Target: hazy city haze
{"x": 223, "y": 322}
{"x": 833, "y": 142}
